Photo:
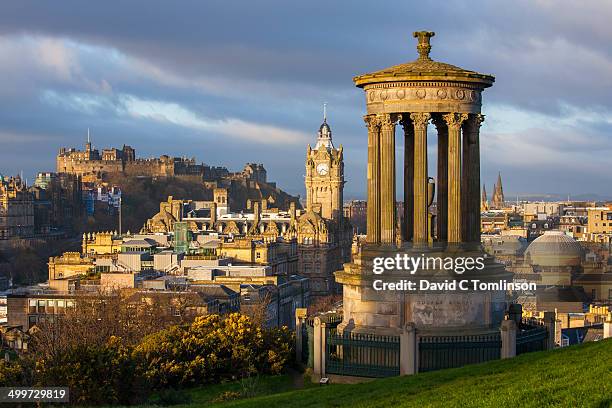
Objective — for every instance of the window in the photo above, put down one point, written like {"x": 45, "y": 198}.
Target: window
{"x": 32, "y": 304}
{"x": 61, "y": 306}
{"x": 31, "y": 321}
{"x": 50, "y": 306}
{"x": 609, "y": 294}
{"x": 41, "y": 306}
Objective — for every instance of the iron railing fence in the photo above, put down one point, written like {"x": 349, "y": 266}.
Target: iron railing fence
{"x": 440, "y": 352}
{"x": 331, "y": 320}
{"x": 531, "y": 336}
{"x": 362, "y": 355}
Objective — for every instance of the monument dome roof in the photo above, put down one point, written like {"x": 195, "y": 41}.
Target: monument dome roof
{"x": 554, "y": 248}
{"x": 424, "y": 69}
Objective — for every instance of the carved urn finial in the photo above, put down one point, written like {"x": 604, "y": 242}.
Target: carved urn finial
{"x": 423, "y": 47}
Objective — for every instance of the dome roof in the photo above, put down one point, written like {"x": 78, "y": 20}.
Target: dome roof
{"x": 424, "y": 69}
{"x": 324, "y": 138}
{"x": 324, "y": 127}
{"x": 554, "y": 248}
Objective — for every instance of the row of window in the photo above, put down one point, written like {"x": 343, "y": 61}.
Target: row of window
{"x": 49, "y": 306}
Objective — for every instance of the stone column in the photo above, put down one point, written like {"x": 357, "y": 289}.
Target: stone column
{"x": 319, "y": 348}
{"x": 442, "y": 187}
{"x": 550, "y": 321}
{"x": 420, "y": 120}
{"x": 408, "y": 177}
{"x": 408, "y": 350}
{"x": 607, "y": 327}
{"x": 454, "y": 121}
{"x": 373, "y": 210}
{"x": 300, "y": 317}
{"x": 470, "y": 199}
{"x": 508, "y": 338}
{"x": 387, "y": 178}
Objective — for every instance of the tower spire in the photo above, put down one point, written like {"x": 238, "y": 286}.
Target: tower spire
{"x": 498, "y": 193}
{"x": 324, "y": 138}
{"x": 484, "y": 202}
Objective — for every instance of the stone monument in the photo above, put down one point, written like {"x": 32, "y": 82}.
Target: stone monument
{"x": 413, "y": 95}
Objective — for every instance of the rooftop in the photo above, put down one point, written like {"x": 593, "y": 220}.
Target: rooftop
{"x": 424, "y": 69}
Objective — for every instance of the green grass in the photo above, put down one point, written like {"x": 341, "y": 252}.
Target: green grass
{"x": 579, "y": 376}
{"x": 206, "y": 395}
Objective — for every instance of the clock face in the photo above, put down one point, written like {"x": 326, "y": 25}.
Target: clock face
{"x": 322, "y": 169}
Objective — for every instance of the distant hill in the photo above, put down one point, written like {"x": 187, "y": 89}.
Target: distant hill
{"x": 142, "y": 195}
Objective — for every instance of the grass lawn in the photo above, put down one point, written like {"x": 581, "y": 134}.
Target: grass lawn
{"x": 208, "y": 394}
{"x": 578, "y": 376}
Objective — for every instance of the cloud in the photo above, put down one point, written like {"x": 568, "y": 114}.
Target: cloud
{"x": 234, "y": 128}
{"x": 205, "y": 76}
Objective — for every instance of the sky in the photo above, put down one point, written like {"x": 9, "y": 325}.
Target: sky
{"x": 231, "y": 82}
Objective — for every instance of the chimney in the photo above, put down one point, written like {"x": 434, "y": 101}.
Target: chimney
{"x": 213, "y": 213}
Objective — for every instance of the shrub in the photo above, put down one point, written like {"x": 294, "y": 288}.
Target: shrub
{"x": 277, "y": 350}
{"x": 13, "y": 373}
{"x": 211, "y": 349}
{"x": 95, "y": 375}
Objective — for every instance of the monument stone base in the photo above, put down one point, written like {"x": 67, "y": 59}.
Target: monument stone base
{"x": 436, "y": 310}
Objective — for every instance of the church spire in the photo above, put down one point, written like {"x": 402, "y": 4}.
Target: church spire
{"x": 484, "y": 202}
{"x": 499, "y": 185}
{"x": 498, "y": 194}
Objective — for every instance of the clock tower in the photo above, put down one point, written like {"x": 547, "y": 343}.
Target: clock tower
{"x": 325, "y": 176}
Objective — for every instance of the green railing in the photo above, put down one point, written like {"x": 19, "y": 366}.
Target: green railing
{"x": 362, "y": 355}
{"x": 440, "y": 352}
{"x": 532, "y": 336}
{"x": 331, "y": 320}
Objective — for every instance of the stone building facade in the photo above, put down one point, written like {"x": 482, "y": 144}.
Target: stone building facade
{"x": 324, "y": 235}
{"x": 16, "y": 209}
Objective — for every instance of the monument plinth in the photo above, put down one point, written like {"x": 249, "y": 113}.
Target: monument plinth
{"x": 414, "y": 95}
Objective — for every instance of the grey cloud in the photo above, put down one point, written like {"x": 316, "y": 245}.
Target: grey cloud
{"x": 274, "y": 62}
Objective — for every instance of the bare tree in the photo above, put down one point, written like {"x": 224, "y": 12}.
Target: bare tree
{"x": 94, "y": 318}
{"x": 324, "y": 304}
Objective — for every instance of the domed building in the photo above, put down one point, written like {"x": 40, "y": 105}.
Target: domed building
{"x": 555, "y": 256}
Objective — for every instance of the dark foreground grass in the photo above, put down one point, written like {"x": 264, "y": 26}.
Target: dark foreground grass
{"x": 209, "y": 394}
{"x": 578, "y": 376}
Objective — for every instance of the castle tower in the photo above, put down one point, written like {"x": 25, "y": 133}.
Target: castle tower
{"x": 221, "y": 198}
{"x": 325, "y": 175}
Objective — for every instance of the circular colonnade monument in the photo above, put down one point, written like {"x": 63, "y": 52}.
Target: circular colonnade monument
{"x": 413, "y": 95}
